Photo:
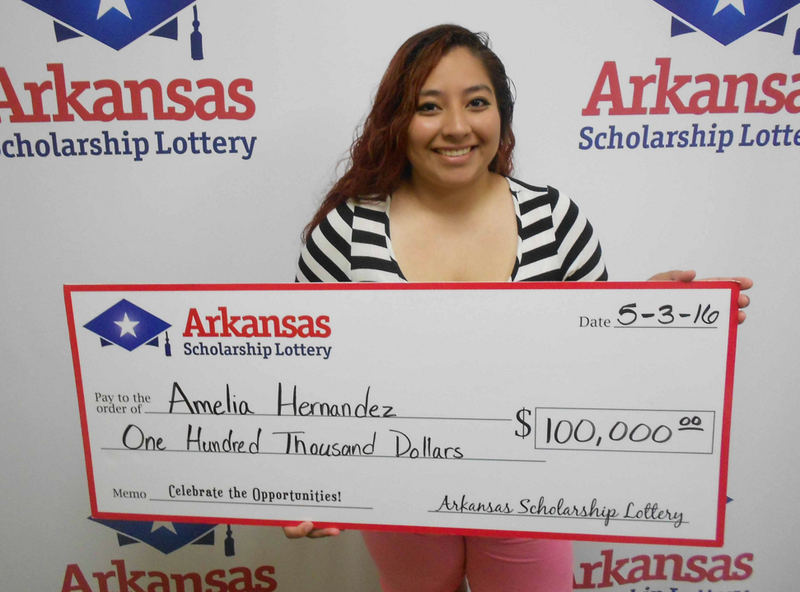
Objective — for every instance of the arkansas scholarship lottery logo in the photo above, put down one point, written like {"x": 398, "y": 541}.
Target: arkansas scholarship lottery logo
{"x": 729, "y": 20}
{"x": 79, "y": 107}
{"x": 117, "y": 23}
{"x": 720, "y": 97}
{"x": 166, "y": 537}
{"x": 129, "y": 327}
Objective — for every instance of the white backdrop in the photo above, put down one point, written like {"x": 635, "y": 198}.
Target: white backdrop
{"x": 220, "y": 218}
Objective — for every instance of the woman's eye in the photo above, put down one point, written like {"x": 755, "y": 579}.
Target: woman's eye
{"x": 478, "y": 103}
{"x": 427, "y": 107}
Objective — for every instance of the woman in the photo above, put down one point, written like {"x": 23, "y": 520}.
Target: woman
{"x": 434, "y": 152}
{"x": 428, "y": 197}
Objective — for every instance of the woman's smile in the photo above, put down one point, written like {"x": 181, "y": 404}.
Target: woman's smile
{"x": 453, "y": 151}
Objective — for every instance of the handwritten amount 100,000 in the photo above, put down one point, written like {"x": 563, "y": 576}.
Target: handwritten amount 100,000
{"x": 585, "y": 431}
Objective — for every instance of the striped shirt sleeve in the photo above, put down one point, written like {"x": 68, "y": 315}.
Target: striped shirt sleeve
{"x": 579, "y": 251}
{"x": 326, "y": 254}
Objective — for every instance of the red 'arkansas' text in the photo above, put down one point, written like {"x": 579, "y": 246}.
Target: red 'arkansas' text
{"x": 695, "y": 95}
{"x": 225, "y": 325}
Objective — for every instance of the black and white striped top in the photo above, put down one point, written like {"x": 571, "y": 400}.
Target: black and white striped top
{"x": 555, "y": 242}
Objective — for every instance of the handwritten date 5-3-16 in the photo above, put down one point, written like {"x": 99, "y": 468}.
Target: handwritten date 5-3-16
{"x": 703, "y": 316}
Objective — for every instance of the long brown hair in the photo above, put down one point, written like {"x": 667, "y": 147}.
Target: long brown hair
{"x": 378, "y": 160}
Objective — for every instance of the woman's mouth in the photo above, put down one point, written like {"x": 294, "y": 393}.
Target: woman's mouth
{"x": 453, "y": 151}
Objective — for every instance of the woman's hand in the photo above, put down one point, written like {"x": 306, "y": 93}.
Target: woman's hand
{"x": 307, "y": 530}
{"x": 678, "y": 275}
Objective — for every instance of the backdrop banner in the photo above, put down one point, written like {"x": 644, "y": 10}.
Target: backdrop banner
{"x": 155, "y": 142}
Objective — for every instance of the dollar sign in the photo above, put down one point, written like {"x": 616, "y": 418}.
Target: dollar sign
{"x": 526, "y": 428}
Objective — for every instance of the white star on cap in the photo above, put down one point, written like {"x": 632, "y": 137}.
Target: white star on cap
{"x": 126, "y": 326}
{"x": 737, "y": 4}
{"x": 106, "y": 5}
{"x": 168, "y": 525}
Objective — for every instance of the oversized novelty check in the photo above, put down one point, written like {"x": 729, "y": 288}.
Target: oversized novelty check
{"x": 583, "y": 411}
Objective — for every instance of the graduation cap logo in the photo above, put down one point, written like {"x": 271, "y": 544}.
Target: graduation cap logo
{"x": 117, "y": 23}
{"x": 129, "y": 326}
{"x": 166, "y": 536}
{"x": 728, "y": 20}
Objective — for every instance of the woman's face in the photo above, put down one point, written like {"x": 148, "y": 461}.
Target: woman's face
{"x": 455, "y": 132}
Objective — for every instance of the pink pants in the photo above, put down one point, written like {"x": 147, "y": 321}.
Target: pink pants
{"x": 439, "y": 563}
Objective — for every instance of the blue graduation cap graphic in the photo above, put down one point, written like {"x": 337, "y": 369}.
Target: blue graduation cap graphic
{"x": 129, "y": 326}
{"x": 117, "y": 23}
{"x": 166, "y": 536}
{"x": 728, "y": 20}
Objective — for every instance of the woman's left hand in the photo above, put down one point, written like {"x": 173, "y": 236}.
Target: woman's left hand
{"x": 678, "y": 275}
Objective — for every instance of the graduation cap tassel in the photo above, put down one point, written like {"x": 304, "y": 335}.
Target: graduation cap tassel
{"x": 230, "y": 551}
{"x": 167, "y": 346}
{"x": 196, "y": 38}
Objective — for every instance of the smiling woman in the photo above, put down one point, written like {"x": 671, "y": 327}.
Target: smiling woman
{"x": 428, "y": 197}
{"x": 379, "y": 160}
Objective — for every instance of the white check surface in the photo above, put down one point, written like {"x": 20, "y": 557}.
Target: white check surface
{"x": 519, "y": 410}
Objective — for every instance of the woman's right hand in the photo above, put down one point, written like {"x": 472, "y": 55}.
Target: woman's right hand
{"x": 307, "y": 530}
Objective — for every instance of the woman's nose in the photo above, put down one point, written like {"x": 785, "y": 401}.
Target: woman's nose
{"x": 456, "y": 124}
